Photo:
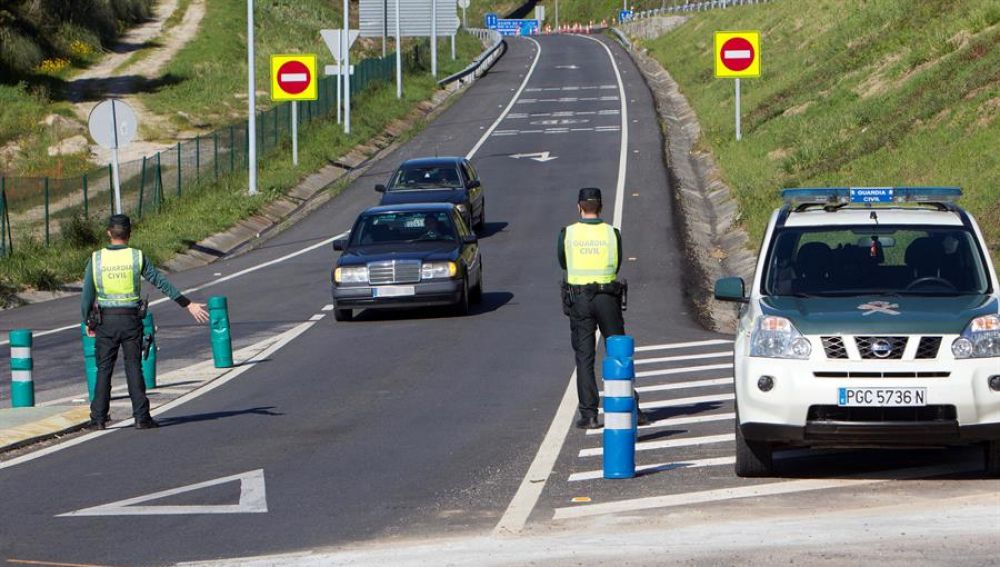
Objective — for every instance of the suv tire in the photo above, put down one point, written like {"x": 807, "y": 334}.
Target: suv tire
{"x": 343, "y": 314}
{"x": 991, "y": 458}
{"x": 753, "y": 458}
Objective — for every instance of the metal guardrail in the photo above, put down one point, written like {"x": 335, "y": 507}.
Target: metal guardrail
{"x": 482, "y": 63}
{"x": 622, "y": 38}
{"x": 694, "y": 7}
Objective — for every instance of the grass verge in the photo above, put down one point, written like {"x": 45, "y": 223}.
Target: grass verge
{"x": 852, "y": 93}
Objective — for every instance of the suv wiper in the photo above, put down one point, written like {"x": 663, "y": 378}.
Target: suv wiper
{"x": 854, "y": 292}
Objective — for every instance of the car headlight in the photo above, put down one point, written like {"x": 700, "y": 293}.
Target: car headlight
{"x": 776, "y": 337}
{"x": 433, "y": 270}
{"x": 351, "y": 274}
{"x": 462, "y": 208}
{"x": 981, "y": 339}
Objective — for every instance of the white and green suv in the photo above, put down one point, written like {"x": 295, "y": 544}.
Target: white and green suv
{"x": 873, "y": 320}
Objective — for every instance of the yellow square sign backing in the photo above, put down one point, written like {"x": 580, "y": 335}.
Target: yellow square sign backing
{"x": 737, "y": 54}
{"x": 293, "y": 77}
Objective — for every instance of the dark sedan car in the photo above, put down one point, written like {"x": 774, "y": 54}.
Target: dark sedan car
{"x": 407, "y": 256}
{"x": 438, "y": 180}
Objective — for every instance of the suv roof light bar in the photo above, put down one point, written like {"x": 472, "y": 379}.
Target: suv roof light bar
{"x": 836, "y": 197}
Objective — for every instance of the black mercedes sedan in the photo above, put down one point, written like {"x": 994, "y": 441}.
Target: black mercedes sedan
{"x": 409, "y": 255}
{"x": 438, "y": 180}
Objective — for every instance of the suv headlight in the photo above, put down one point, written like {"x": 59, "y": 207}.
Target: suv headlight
{"x": 462, "y": 208}
{"x": 351, "y": 274}
{"x": 776, "y": 337}
{"x": 981, "y": 339}
{"x": 434, "y": 270}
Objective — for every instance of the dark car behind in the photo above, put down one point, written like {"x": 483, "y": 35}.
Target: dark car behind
{"x": 438, "y": 180}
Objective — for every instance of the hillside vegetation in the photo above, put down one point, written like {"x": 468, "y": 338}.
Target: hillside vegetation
{"x": 853, "y": 92}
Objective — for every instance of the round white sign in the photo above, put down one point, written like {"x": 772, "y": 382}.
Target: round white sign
{"x": 463, "y": 4}
{"x": 113, "y": 124}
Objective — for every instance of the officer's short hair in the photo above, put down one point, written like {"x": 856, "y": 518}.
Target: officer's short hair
{"x": 120, "y": 227}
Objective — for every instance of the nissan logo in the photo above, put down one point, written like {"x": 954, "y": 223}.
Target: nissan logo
{"x": 881, "y": 348}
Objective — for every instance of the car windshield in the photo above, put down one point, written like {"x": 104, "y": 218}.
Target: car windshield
{"x": 425, "y": 177}
{"x": 388, "y": 228}
{"x": 867, "y": 260}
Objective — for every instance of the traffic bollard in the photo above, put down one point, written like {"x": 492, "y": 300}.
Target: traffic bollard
{"x": 619, "y": 408}
{"x": 149, "y": 351}
{"x": 222, "y": 343}
{"x": 89, "y": 360}
{"x": 22, "y": 389}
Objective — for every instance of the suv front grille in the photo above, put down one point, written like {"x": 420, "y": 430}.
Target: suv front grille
{"x": 394, "y": 272}
{"x": 881, "y": 348}
{"x": 855, "y": 414}
{"x": 928, "y": 347}
{"x": 834, "y": 347}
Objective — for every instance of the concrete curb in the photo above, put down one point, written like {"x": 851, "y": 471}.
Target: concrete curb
{"x": 42, "y": 423}
{"x": 707, "y": 213}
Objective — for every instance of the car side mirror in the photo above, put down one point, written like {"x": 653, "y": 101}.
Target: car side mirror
{"x": 731, "y": 289}
{"x": 340, "y": 244}
{"x": 380, "y": 188}
{"x": 474, "y": 184}
{"x": 470, "y": 239}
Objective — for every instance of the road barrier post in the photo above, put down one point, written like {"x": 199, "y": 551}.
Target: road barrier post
{"x": 619, "y": 408}
{"x": 22, "y": 389}
{"x": 89, "y": 360}
{"x": 222, "y": 344}
{"x": 149, "y": 351}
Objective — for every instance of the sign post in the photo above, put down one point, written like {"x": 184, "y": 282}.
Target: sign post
{"x": 334, "y": 42}
{"x": 399, "y": 56}
{"x": 113, "y": 124}
{"x": 463, "y": 4}
{"x": 293, "y": 78}
{"x": 434, "y": 38}
{"x": 251, "y": 104}
{"x": 737, "y": 56}
{"x": 346, "y": 67}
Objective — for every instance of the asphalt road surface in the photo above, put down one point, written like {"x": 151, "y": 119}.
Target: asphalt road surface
{"x": 413, "y": 425}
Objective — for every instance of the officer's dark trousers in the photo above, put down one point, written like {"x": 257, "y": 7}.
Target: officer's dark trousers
{"x": 119, "y": 328}
{"x": 589, "y": 312}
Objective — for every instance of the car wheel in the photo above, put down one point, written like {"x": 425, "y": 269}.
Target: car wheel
{"x": 753, "y": 458}
{"x": 343, "y": 314}
{"x": 462, "y": 307}
{"x": 482, "y": 219}
{"x": 991, "y": 457}
{"x": 477, "y": 292}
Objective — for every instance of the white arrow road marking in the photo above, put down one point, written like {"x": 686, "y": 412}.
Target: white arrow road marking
{"x": 737, "y": 54}
{"x": 537, "y": 156}
{"x": 253, "y": 500}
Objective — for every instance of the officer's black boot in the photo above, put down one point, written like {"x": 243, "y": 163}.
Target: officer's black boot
{"x": 588, "y": 422}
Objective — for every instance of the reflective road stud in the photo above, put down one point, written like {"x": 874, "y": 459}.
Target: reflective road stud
{"x": 22, "y": 390}
{"x": 89, "y": 360}
{"x": 149, "y": 357}
{"x": 222, "y": 344}
{"x": 619, "y": 408}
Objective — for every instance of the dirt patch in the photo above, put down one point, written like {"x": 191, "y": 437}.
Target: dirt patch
{"x": 799, "y": 109}
{"x": 779, "y": 154}
{"x": 878, "y": 82}
{"x": 988, "y": 112}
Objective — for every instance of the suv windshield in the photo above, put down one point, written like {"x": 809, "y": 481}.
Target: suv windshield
{"x": 425, "y": 177}
{"x": 860, "y": 260}
{"x": 403, "y": 227}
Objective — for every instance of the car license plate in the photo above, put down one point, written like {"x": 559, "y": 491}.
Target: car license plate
{"x": 393, "y": 291}
{"x": 882, "y": 397}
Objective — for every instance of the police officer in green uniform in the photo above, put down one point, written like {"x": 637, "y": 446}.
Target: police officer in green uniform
{"x": 590, "y": 251}
{"x": 113, "y": 311}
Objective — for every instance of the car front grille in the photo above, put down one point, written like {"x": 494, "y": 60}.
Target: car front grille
{"x": 928, "y": 347}
{"x": 394, "y": 272}
{"x": 893, "y": 414}
{"x": 881, "y": 348}
{"x": 834, "y": 347}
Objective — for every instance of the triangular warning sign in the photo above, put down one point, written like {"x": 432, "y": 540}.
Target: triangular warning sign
{"x": 253, "y": 500}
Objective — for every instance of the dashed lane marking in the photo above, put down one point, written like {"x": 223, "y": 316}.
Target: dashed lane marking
{"x": 667, "y": 444}
{"x": 317, "y": 317}
{"x": 549, "y": 131}
{"x": 327, "y": 308}
{"x": 684, "y": 370}
{"x": 571, "y": 88}
{"x": 700, "y": 356}
{"x": 675, "y": 421}
{"x": 683, "y": 401}
{"x": 668, "y": 346}
{"x": 685, "y": 385}
{"x": 659, "y": 467}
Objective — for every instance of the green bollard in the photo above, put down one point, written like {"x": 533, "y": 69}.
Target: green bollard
{"x": 222, "y": 343}
{"x": 22, "y": 388}
{"x": 149, "y": 351}
{"x": 89, "y": 360}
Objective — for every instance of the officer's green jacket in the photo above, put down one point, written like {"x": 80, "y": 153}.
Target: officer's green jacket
{"x": 562, "y": 243}
{"x": 149, "y": 272}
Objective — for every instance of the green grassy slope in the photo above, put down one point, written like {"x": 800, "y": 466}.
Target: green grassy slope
{"x": 853, "y": 92}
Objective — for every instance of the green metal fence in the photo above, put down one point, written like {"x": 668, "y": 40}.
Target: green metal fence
{"x": 32, "y": 207}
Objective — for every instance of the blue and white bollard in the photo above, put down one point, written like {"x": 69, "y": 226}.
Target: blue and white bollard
{"x": 22, "y": 388}
{"x": 620, "y": 412}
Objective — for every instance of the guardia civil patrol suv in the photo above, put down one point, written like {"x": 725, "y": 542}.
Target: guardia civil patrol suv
{"x": 873, "y": 320}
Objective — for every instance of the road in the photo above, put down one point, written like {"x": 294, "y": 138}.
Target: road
{"x": 416, "y": 425}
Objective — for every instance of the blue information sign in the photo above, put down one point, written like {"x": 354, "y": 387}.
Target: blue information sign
{"x": 517, "y": 27}
{"x": 624, "y": 15}
{"x": 871, "y": 194}
{"x": 491, "y": 21}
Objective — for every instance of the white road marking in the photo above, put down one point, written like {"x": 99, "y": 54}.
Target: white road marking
{"x": 520, "y": 507}
{"x": 700, "y": 356}
{"x": 659, "y": 467}
{"x": 683, "y": 345}
{"x": 317, "y": 317}
{"x": 668, "y": 371}
{"x": 541, "y": 157}
{"x": 667, "y": 444}
{"x": 685, "y": 385}
{"x": 687, "y": 401}
{"x": 328, "y": 308}
{"x": 555, "y": 131}
{"x": 253, "y": 500}
{"x": 674, "y": 421}
{"x": 769, "y": 489}
{"x": 584, "y": 88}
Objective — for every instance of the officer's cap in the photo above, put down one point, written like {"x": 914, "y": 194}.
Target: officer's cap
{"x": 119, "y": 220}
{"x": 589, "y": 194}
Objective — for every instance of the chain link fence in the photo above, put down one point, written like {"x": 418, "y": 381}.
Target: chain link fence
{"x": 36, "y": 208}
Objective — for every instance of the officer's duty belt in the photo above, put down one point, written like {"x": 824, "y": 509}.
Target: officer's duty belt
{"x": 613, "y": 287}
{"x": 120, "y": 310}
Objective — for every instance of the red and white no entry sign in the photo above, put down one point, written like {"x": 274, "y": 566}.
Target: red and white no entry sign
{"x": 737, "y": 54}
{"x": 294, "y": 77}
